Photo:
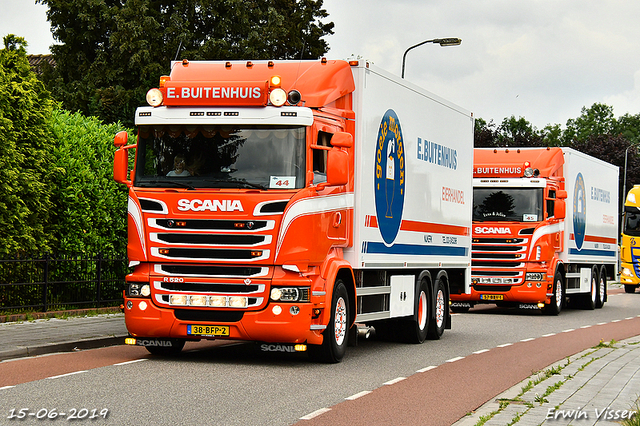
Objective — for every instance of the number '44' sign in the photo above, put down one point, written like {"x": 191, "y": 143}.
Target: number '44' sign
{"x": 282, "y": 182}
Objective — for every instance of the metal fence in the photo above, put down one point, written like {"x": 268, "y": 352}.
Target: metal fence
{"x": 49, "y": 283}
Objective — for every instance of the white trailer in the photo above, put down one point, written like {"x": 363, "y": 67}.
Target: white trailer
{"x": 413, "y": 199}
{"x": 591, "y": 226}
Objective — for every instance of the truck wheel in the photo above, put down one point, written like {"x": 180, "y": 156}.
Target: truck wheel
{"x": 336, "y": 335}
{"x": 174, "y": 349}
{"x": 417, "y": 327}
{"x": 590, "y": 299}
{"x": 602, "y": 293}
{"x": 441, "y": 305}
{"x": 629, "y": 288}
{"x": 557, "y": 300}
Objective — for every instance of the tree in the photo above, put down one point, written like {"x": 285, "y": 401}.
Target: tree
{"x": 597, "y": 120}
{"x": 484, "y": 135}
{"x": 511, "y": 132}
{"x": 26, "y": 166}
{"x": 612, "y": 148}
{"x": 113, "y": 51}
{"x": 518, "y": 132}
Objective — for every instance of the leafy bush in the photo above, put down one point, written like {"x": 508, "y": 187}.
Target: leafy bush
{"x": 90, "y": 207}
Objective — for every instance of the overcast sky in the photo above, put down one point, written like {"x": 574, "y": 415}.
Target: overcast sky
{"x": 542, "y": 60}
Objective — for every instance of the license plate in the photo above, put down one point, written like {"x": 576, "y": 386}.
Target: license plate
{"x": 491, "y": 297}
{"x": 208, "y": 330}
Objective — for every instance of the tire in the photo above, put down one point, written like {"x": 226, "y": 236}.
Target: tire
{"x": 173, "y": 350}
{"x": 555, "y": 307}
{"x": 336, "y": 335}
{"x": 590, "y": 299}
{"x": 440, "y": 306}
{"x": 416, "y": 328}
{"x": 629, "y": 288}
{"x": 602, "y": 289}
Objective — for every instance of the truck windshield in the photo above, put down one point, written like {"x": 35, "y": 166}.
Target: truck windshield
{"x": 263, "y": 157}
{"x": 507, "y": 204}
{"x": 632, "y": 221}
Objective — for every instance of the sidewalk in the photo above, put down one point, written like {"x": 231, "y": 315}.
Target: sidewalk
{"x": 599, "y": 385}
{"x": 42, "y": 336}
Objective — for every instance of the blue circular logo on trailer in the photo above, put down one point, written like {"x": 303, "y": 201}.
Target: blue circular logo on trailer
{"x": 389, "y": 177}
{"x": 579, "y": 211}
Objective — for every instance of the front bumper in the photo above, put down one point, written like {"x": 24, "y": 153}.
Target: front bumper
{"x": 264, "y": 325}
{"x": 516, "y": 294}
{"x": 628, "y": 275}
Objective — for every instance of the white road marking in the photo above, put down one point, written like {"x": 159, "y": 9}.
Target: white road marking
{"x": 431, "y": 367}
{"x": 68, "y": 374}
{"x": 481, "y": 351}
{"x": 358, "y": 395}
{"x": 394, "y": 381}
{"x": 505, "y": 345}
{"x": 131, "y": 362}
{"x": 315, "y": 414}
{"x": 458, "y": 358}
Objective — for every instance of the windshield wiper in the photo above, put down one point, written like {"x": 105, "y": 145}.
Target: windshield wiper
{"x": 171, "y": 182}
{"x": 241, "y": 183}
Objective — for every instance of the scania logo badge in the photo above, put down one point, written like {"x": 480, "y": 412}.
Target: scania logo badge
{"x": 247, "y": 281}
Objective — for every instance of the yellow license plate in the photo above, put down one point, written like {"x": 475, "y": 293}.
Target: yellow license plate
{"x": 491, "y": 297}
{"x": 208, "y": 330}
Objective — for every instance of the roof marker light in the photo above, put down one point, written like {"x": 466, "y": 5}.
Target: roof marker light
{"x": 275, "y": 81}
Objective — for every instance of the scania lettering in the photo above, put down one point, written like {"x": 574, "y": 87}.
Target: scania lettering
{"x": 491, "y": 230}
{"x": 211, "y": 205}
{"x": 291, "y": 202}
{"x": 544, "y": 229}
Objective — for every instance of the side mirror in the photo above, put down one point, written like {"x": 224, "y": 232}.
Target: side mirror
{"x": 121, "y": 139}
{"x": 121, "y": 159}
{"x": 561, "y": 194}
{"x": 342, "y": 140}
{"x": 560, "y": 208}
{"x": 337, "y": 167}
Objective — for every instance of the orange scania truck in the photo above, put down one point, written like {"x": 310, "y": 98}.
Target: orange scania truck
{"x": 294, "y": 204}
{"x": 545, "y": 224}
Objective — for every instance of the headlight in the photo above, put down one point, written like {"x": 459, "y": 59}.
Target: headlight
{"x": 238, "y": 302}
{"x": 138, "y": 290}
{"x": 278, "y": 97}
{"x": 290, "y": 294}
{"x": 154, "y": 97}
{"x": 197, "y": 300}
{"x": 627, "y": 272}
{"x": 536, "y": 276}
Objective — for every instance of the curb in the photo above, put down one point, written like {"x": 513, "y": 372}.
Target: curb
{"x": 70, "y": 346}
{"x": 28, "y": 316}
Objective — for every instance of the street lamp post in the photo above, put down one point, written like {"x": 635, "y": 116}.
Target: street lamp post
{"x": 443, "y": 42}
{"x": 624, "y": 186}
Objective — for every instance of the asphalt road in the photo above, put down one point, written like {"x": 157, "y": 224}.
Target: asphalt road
{"x": 211, "y": 383}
